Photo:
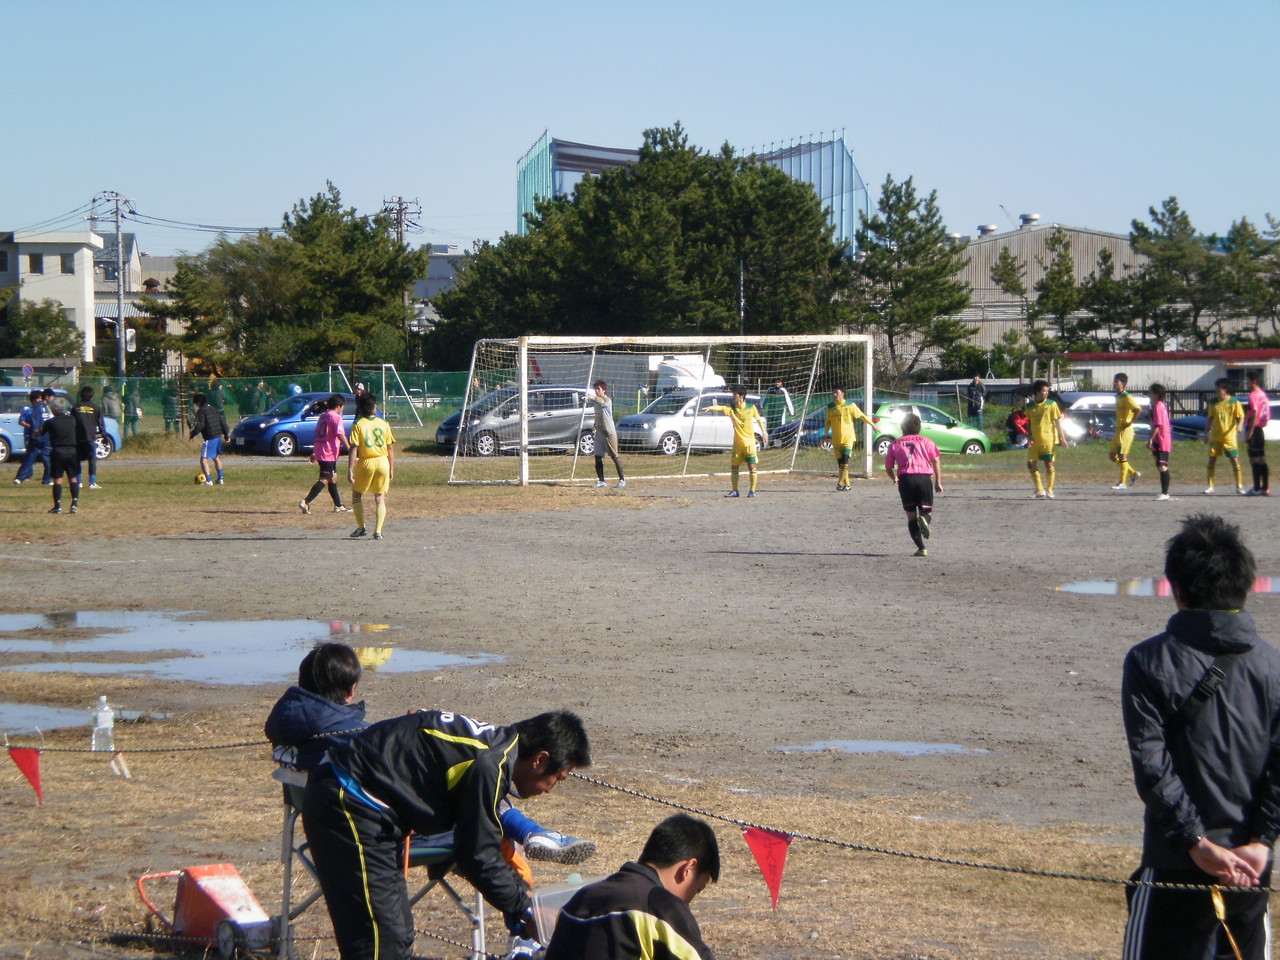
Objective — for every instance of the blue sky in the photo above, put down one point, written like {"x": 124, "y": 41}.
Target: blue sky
{"x": 1087, "y": 113}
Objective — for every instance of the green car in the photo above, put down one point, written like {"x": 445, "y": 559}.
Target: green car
{"x": 946, "y": 431}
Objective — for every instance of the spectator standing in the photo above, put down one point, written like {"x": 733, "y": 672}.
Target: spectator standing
{"x": 111, "y": 406}
{"x": 132, "y": 406}
{"x": 88, "y": 425}
{"x": 1201, "y": 705}
{"x": 977, "y": 397}
{"x": 172, "y": 409}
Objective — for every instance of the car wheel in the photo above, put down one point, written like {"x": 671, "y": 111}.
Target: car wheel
{"x": 5, "y": 450}
{"x": 284, "y": 445}
{"x": 825, "y": 444}
{"x": 587, "y": 444}
{"x": 882, "y": 446}
{"x": 973, "y": 447}
{"x": 485, "y": 444}
{"x": 105, "y": 447}
{"x": 669, "y": 444}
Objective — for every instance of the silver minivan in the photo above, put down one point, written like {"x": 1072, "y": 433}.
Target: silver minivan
{"x": 681, "y": 419}
{"x": 557, "y": 421}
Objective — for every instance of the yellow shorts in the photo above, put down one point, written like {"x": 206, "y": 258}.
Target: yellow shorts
{"x": 743, "y": 455}
{"x": 372, "y": 475}
{"x": 1121, "y": 442}
{"x": 1223, "y": 450}
{"x": 1037, "y": 452}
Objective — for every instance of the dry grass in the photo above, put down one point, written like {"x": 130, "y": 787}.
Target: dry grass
{"x": 74, "y": 860}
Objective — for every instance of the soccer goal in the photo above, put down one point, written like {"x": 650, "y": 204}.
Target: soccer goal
{"x": 383, "y": 381}
{"x": 524, "y": 419}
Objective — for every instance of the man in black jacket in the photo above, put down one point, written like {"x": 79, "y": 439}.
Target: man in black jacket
{"x": 426, "y": 772}
{"x": 59, "y": 432}
{"x": 1202, "y": 714}
{"x": 212, "y": 427}
{"x": 642, "y": 911}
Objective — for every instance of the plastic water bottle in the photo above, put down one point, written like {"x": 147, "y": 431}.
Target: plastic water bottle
{"x": 104, "y": 720}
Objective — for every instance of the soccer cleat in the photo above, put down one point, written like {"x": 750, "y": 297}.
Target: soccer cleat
{"x": 557, "y": 847}
{"x": 95, "y": 486}
{"x": 1253, "y": 492}
{"x": 1134, "y": 478}
{"x": 922, "y": 519}
{"x": 1240, "y": 490}
{"x": 207, "y": 483}
{"x": 17, "y": 483}
{"x": 377, "y": 536}
{"x": 1119, "y": 486}
{"x": 599, "y": 483}
{"x": 75, "y": 507}
{"x": 220, "y": 483}
{"x": 731, "y": 494}
{"x": 341, "y": 509}
{"x": 1163, "y": 496}
{"x": 621, "y": 484}
{"x": 358, "y": 532}
{"x": 56, "y": 510}
{"x": 750, "y": 494}
{"x": 1049, "y": 494}
{"x": 302, "y": 505}
{"x": 922, "y": 552}
{"x": 1039, "y": 495}
{"x": 1208, "y": 489}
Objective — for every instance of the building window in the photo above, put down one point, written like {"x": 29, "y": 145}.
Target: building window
{"x": 35, "y": 263}
{"x": 4, "y": 261}
{"x": 68, "y": 263}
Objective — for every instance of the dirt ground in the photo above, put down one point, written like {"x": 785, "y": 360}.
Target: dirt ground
{"x": 700, "y": 637}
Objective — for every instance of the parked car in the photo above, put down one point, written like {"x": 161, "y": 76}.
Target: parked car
{"x": 946, "y": 431}
{"x": 12, "y": 442}
{"x": 1193, "y": 427}
{"x": 491, "y": 425}
{"x": 1080, "y": 425}
{"x": 680, "y": 420}
{"x": 811, "y": 430}
{"x": 289, "y": 427}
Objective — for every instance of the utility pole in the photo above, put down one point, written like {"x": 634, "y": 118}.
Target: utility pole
{"x": 404, "y": 218}
{"x": 120, "y": 200}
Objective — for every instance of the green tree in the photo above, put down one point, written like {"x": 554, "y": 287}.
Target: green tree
{"x": 1057, "y": 294}
{"x": 1185, "y": 272}
{"x": 658, "y": 247}
{"x": 906, "y": 287}
{"x": 329, "y": 287}
{"x": 1009, "y": 274}
{"x": 1109, "y": 300}
{"x": 39, "y": 330}
{"x": 1249, "y": 262}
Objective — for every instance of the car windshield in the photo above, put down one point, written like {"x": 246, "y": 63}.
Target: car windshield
{"x": 671, "y": 403}
{"x": 289, "y": 406}
{"x": 491, "y": 400}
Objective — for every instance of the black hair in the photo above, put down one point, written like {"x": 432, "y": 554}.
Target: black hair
{"x": 910, "y": 424}
{"x": 738, "y": 388}
{"x": 1038, "y": 384}
{"x": 34, "y": 395}
{"x": 86, "y": 393}
{"x": 1223, "y": 383}
{"x": 1159, "y": 391}
{"x": 1254, "y": 375}
{"x": 366, "y": 404}
{"x": 558, "y": 732}
{"x": 48, "y": 392}
{"x": 680, "y": 837}
{"x": 1209, "y": 565}
{"x": 599, "y": 383}
{"x": 199, "y": 399}
{"x": 336, "y": 401}
{"x": 1123, "y": 378}
{"x": 330, "y": 671}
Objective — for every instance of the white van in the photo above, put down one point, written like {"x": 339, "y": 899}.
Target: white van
{"x": 1106, "y": 401}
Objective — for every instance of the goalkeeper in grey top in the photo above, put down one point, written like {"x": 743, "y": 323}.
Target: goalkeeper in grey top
{"x": 606, "y": 433}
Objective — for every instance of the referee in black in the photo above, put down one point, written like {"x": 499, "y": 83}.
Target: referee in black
{"x": 60, "y": 431}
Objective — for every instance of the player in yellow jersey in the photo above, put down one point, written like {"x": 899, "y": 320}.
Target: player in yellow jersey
{"x": 745, "y": 418}
{"x": 842, "y": 426}
{"x": 1222, "y": 428}
{"x": 1043, "y": 418}
{"x": 371, "y": 463}
{"x": 1127, "y": 411}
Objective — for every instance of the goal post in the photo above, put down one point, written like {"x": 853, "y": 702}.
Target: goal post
{"x": 382, "y": 380}
{"x": 524, "y": 419}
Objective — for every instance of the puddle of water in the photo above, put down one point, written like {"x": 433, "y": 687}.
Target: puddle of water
{"x": 1149, "y": 587}
{"x": 206, "y": 651}
{"x": 905, "y": 748}
{"x": 29, "y": 717}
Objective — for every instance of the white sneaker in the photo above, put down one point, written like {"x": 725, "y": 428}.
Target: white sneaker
{"x": 599, "y": 483}
{"x": 1163, "y": 496}
{"x": 1049, "y": 494}
{"x": 1119, "y": 486}
{"x": 621, "y": 484}
{"x": 1039, "y": 495}
{"x": 557, "y": 847}
{"x": 302, "y": 505}
{"x": 1208, "y": 489}
{"x": 1240, "y": 490}
{"x": 95, "y": 486}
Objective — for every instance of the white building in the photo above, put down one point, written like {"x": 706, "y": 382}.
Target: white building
{"x": 54, "y": 265}
{"x": 1180, "y": 369}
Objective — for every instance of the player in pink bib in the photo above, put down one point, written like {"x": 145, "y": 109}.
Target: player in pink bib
{"x": 1257, "y": 416}
{"x": 331, "y": 442}
{"x": 915, "y": 466}
{"x": 1161, "y": 441}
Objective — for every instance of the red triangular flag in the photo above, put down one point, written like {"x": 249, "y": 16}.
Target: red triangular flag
{"x": 28, "y": 761}
{"x": 770, "y": 850}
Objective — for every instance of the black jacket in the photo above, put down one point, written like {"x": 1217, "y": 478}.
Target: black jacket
{"x": 61, "y": 431}
{"x": 441, "y": 771}
{"x": 302, "y": 723}
{"x": 210, "y": 423}
{"x": 628, "y": 916}
{"x": 1218, "y": 776}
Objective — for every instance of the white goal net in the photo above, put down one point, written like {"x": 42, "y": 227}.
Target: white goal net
{"x": 524, "y": 419}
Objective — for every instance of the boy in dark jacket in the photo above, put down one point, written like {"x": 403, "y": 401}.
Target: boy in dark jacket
{"x": 311, "y": 716}
{"x": 1202, "y": 714}
{"x": 212, "y": 427}
{"x": 59, "y": 432}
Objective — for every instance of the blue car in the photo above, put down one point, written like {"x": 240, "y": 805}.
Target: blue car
{"x": 13, "y": 444}
{"x": 289, "y": 427}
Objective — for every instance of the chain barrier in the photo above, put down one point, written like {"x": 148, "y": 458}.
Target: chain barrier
{"x": 927, "y": 858}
